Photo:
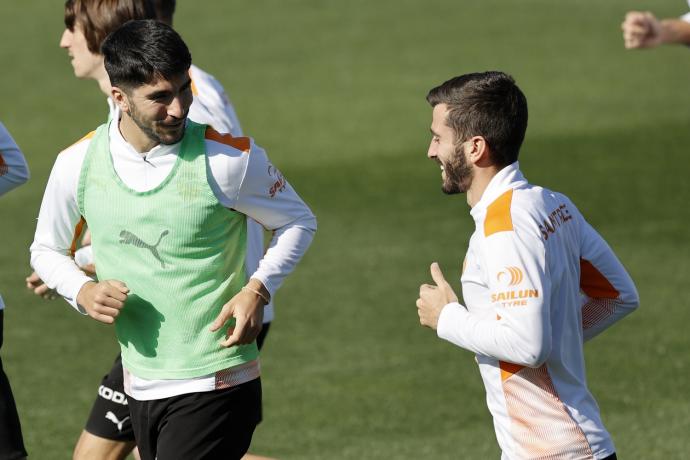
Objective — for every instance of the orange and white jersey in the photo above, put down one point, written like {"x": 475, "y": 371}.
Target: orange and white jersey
{"x": 211, "y": 104}
{"x": 537, "y": 281}
{"x": 13, "y": 168}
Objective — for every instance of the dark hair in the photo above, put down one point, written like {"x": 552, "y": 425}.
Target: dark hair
{"x": 165, "y": 9}
{"x": 140, "y": 52}
{"x": 98, "y": 18}
{"x": 487, "y": 104}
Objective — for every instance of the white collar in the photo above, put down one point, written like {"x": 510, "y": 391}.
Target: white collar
{"x": 119, "y": 146}
{"x": 507, "y": 178}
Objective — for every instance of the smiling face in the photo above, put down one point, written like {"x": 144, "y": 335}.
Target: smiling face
{"x": 85, "y": 63}
{"x": 158, "y": 109}
{"x": 456, "y": 171}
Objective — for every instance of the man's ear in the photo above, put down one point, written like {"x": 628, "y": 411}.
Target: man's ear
{"x": 479, "y": 152}
{"x": 120, "y": 98}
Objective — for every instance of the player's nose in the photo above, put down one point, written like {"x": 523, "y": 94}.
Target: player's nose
{"x": 431, "y": 152}
{"x": 176, "y": 108}
{"x": 66, "y": 39}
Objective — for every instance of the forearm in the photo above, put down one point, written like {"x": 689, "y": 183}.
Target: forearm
{"x": 58, "y": 271}
{"x": 286, "y": 249}
{"x": 674, "y": 31}
{"x": 486, "y": 335}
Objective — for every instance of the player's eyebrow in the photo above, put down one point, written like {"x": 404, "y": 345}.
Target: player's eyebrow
{"x": 434, "y": 132}
{"x": 165, "y": 93}
{"x": 158, "y": 94}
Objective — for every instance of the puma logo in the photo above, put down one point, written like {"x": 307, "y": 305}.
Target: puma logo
{"x": 127, "y": 237}
{"x": 113, "y": 418}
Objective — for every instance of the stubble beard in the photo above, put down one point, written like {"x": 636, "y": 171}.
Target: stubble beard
{"x": 458, "y": 173}
{"x": 150, "y": 129}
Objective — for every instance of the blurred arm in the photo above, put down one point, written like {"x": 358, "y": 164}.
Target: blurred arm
{"x": 644, "y": 30}
{"x": 13, "y": 168}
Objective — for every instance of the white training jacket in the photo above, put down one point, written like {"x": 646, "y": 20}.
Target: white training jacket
{"x": 242, "y": 179}
{"x": 537, "y": 281}
{"x": 13, "y": 168}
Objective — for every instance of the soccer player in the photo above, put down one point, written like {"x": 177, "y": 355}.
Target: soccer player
{"x": 13, "y": 172}
{"x": 645, "y": 30}
{"x": 537, "y": 279}
{"x": 108, "y": 431}
{"x": 166, "y": 200}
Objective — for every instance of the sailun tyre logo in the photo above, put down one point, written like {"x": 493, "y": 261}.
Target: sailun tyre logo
{"x": 511, "y": 276}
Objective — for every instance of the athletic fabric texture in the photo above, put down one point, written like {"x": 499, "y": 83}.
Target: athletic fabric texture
{"x": 111, "y": 399}
{"x": 209, "y": 425}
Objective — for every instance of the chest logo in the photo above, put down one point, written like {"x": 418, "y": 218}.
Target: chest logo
{"x": 127, "y": 237}
{"x": 511, "y": 276}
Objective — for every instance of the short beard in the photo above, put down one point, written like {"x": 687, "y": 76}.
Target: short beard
{"x": 146, "y": 129}
{"x": 459, "y": 173}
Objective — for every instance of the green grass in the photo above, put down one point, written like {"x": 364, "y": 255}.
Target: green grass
{"x": 335, "y": 92}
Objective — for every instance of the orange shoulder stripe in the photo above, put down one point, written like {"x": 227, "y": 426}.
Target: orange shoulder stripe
{"x": 240, "y": 143}
{"x": 88, "y": 136}
{"x": 498, "y": 218}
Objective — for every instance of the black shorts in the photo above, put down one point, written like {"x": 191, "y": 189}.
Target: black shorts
{"x": 206, "y": 425}
{"x": 109, "y": 416}
{"x": 11, "y": 441}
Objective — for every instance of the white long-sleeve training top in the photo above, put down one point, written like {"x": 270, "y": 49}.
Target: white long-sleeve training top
{"x": 537, "y": 281}
{"x": 13, "y": 168}
{"x": 244, "y": 181}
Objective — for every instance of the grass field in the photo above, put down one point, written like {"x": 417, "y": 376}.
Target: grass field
{"x": 335, "y": 92}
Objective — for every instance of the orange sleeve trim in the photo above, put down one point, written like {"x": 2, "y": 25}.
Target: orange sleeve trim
{"x": 594, "y": 284}
{"x": 78, "y": 230}
{"x": 498, "y": 218}
{"x": 240, "y": 143}
{"x": 509, "y": 369}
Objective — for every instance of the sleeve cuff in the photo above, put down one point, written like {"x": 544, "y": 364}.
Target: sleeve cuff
{"x": 451, "y": 315}
{"x": 72, "y": 290}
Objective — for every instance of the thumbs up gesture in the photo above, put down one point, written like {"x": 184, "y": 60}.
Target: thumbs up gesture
{"x": 432, "y": 298}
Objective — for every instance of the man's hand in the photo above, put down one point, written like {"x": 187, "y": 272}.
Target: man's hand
{"x": 103, "y": 300}
{"x": 432, "y": 299}
{"x": 641, "y": 30}
{"x": 247, "y": 308}
{"x": 35, "y": 283}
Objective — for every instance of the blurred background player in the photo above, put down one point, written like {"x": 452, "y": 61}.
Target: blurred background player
{"x": 108, "y": 432}
{"x": 13, "y": 173}
{"x": 644, "y": 30}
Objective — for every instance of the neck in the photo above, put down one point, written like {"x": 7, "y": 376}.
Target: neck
{"x": 480, "y": 181}
{"x": 103, "y": 81}
{"x": 134, "y": 136}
